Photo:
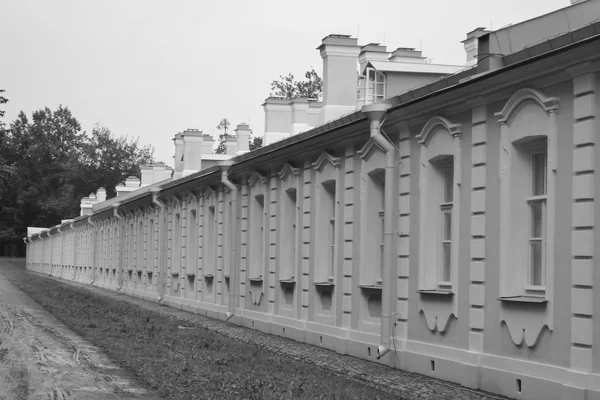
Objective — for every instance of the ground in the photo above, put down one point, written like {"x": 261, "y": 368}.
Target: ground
{"x": 179, "y": 355}
{"x": 40, "y": 358}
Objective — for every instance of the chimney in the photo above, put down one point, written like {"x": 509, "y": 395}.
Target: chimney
{"x": 192, "y": 151}
{"x": 407, "y": 55}
{"x": 471, "y": 44}
{"x": 178, "y": 157}
{"x": 243, "y": 132}
{"x": 101, "y": 195}
{"x": 161, "y": 172}
{"x": 86, "y": 204}
{"x": 132, "y": 182}
{"x": 340, "y": 58}
{"x": 299, "y": 107}
{"x": 371, "y": 52}
{"x": 230, "y": 145}
{"x": 147, "y": 175}
{"x": 208, "y": 142}
{"x": 278, "y": 118}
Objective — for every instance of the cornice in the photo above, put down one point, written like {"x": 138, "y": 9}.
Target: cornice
{"x": 286, "y": 170}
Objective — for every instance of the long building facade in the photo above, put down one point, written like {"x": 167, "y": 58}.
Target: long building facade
{"x": 449, "y": 230}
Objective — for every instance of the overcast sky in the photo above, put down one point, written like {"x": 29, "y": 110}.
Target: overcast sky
{"x": 149, "y": 69}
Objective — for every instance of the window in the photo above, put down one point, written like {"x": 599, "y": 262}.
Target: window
{"x": 209, "y": 242}
{"x": 527, "y": 199}
{"x": 176, "y": 250}
{"x": 288, "y": 238}
{"x": 439, "y": 189}
{"x": 151, "y": 246}
{"x": 537, "y": 211}
{"x": 447, "y": 174}
{"x": 257, "y": 236}
{"x": 192, "y": 245}
{"x": 371, "y": 87}
{"x": 326, "y": 233}
{"x": 140, "y": 250}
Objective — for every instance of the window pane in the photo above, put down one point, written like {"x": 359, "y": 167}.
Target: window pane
{"x": 446, "y": 262}
{"x": 536, "y": 219}
{"x": 536, "y": 263}
{"x": 447, "y": 226}
{"x": 448, "y": 175}
{"x": 538, "y": 173}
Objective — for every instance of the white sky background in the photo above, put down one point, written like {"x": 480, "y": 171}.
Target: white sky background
{"x": 149, "y": 68}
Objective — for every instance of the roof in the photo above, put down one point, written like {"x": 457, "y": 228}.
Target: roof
{"x": 107, "y": 204}
{"x": 422, "y": 68}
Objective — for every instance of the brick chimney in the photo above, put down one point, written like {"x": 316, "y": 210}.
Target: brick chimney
{"x": 340, "y": 59}
{"x": 371, "y": 52}
{"x": 471, "y": 44}
{"x": 242, "y": 132}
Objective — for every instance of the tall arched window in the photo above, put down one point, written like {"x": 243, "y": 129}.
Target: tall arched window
{"x": 439, "y": 205}
{"x": 527, "y": 184}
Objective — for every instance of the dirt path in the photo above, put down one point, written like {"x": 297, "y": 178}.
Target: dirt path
{"x": 40, "y": 358}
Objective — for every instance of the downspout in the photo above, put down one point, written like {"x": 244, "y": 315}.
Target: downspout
{"x": 233, "y": 226}
{"x": 121, "y": 244}
{"x": 162, "y": 242}
{"x": 375, "y": 113}
{"x": 93, "y": 249}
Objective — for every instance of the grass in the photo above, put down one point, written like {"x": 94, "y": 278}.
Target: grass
{"x": 177, "y": 363}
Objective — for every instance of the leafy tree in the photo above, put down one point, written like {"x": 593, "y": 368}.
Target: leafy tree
{"x": 256, "y": 142}
{"x": 287, "y": 87}
{"x": 52, "y": 164}
{"x": 223, "y": 127}
{"x": 108, "y": 160}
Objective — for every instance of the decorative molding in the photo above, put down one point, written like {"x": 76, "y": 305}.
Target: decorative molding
{"x": 436, "y": 322}
{"x": 208, "y": 192}
{"x": 433, "y": 123}
{"x": 368, "y": 149}
{"x": 326, "y": 157}
{"x": 549, "y": 104}
{"x": 255, "y": 177}
{"x": 522, "y": 331}
{"x": 256, "y": 297}
{"x": 286, "y": 170}
{"x": 190, "y": 197}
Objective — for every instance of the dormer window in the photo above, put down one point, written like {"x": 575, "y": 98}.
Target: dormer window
{"x": 371, "y": 87}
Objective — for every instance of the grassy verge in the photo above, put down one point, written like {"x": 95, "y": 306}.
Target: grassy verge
{"x": 180, "y": 363}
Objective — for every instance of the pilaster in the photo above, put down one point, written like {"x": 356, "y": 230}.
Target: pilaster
{"x": 272, "y": 239}
{"x": 348, "y": 287}
{"x": 307, "y": 191}
{"x": 582, "y": 264}
{"x": 244, "y": 251}
{"x": 478, "y": 228}
{"x": 402, "y": 290}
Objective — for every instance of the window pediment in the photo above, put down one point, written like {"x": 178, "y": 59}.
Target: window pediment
{"x": 256, "y": 177}
{"x": 432, "y": 126}
{"x": 323, "y": 159}
{"x": 369, "y": 148}
{"x": 190, "y": 197}
{"x": 513, "y": 104}
{"x": 287, "y": 170}
{"x": 208, "y": 192}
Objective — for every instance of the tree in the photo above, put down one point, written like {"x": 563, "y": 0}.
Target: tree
{"x": 287, "y": 87}
{"x": 256, "y": 142}
{"x": 108, "y": 160}
{"x": 53, "y": 164}
{"x": 222, "y": 127}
